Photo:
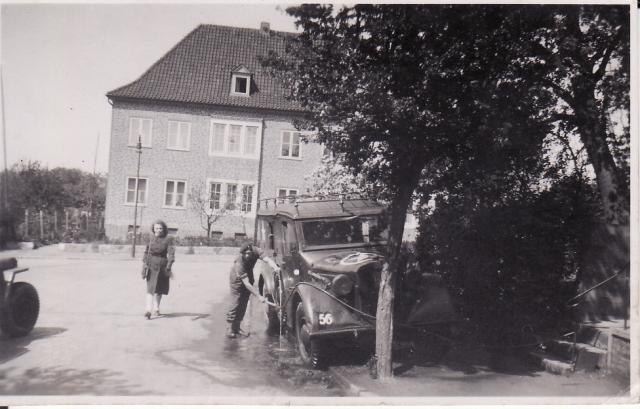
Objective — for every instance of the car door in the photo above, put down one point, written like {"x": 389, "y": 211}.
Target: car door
{"x": 287, "y": 247}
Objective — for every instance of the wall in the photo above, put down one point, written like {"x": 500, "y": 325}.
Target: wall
{"x": 195, "y": 166}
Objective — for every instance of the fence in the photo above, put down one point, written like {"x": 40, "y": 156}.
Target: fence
{"x": 68, "y": 225}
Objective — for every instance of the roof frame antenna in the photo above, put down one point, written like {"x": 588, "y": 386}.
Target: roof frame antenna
{"x": 296, "y": 206}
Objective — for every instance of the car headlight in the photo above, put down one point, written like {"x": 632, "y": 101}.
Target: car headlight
{"x": 341, "y": 285}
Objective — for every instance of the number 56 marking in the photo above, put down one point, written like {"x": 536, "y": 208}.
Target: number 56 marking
{"x": 325, "y": 319}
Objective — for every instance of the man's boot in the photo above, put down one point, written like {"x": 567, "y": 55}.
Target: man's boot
{"x": 230, "y": 332}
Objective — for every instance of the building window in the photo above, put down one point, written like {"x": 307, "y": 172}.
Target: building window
{"x": 290, "y": 145}
{"x": 284, "y": 193}
{"x": 235, "y": 134}
{"x": 241, "y": 84}
{"x": 234, "y": 139}
{"x": 179, "y": 135}
{"x": 247, "y": 198}
{"x": 141, "y": 186}
{"x": 218, "y": 135}
{"x": 250, "y": 140}
{"x": 140, "y": 127}
{"x": 232, "y": 196}
{"x": 214, "y": 195}
{"x": 174, "y": 194}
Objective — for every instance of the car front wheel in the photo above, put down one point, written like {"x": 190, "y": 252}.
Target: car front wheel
{"x": 310, "y": 350}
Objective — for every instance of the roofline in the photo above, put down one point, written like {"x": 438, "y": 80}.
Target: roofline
{"x": 162, "y": 58}
{"x": 203, "y": 104}
{"x": 190, "y": 33}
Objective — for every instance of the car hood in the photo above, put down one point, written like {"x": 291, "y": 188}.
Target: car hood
{"x": 342, "y": 261}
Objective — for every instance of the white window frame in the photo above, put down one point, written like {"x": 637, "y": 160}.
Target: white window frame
{"x": 243, "y": 138}
{"x": 133, "y": 134}
{"x": 289, "y": 157}
{"x": 288, "y": 191}
{"x": 209, "y": 200}
{"x": 223, "y": 194}
{"x": 252, "y": 202}
{"x": 236, "y": 203}
{"x": 179, "y": 136}
{"x": 126, "y": 191}
{"x": 175, "y": 187}
{"x": 234, "y": 79}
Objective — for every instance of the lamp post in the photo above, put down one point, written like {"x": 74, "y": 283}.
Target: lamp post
{"x": 135, "y": 206}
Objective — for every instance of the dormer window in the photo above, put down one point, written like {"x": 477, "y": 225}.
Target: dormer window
{"x": 241, "y": 81}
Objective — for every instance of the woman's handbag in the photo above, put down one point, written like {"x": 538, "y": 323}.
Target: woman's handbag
{"x": 145, "y": 271}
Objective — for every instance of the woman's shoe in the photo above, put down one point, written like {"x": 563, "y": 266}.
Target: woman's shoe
{"x": 147, "y": 315}
{"x": 156, "y": 313}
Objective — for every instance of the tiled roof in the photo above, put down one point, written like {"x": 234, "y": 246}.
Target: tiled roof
{"x": 198, "y": 70}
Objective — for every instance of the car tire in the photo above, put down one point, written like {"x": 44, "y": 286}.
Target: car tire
{"x": 310, "y": 350}
{"x": 20, "y": 313}
{"x": 273, "y": 318}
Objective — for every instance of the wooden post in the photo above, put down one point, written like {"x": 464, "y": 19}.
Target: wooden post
{"x": 26, "y": 222}
{"x": 41, "y": 225}
{"x": 55, "y": 221}
{"x": 66, "y": 219}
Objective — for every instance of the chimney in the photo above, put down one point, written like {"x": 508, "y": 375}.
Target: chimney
{"x": 264, "y": 26}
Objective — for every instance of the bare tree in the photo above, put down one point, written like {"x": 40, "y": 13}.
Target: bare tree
{"x": 209, "y": 211}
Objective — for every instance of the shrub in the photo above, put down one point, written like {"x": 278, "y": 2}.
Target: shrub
{"x": 515, "y": 264}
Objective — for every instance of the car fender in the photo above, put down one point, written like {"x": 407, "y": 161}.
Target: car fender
{"x": 325, "y": 312}
{"x": 266, "y": 279}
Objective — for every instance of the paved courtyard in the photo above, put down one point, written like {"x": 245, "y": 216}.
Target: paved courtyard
{"x": 92, "y": 344}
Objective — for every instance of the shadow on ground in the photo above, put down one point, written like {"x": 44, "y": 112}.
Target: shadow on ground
{"x": 184, "y": 314}
{"x": 468, "y": 358}
{"x": 65, "y": 381}
{"x": 11, "y": 348}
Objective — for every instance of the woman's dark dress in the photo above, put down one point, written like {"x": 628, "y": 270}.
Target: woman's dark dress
{"x": 158, "y": 258}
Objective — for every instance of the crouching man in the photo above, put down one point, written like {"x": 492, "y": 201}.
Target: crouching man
{"x": 241, "y": 284}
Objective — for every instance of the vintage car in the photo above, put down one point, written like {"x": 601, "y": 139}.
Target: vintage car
{"x": 331, "y": 252}
{"x": 19, "y": 302}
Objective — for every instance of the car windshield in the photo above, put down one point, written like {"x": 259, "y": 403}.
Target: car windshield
{"x": 356, "y": 230}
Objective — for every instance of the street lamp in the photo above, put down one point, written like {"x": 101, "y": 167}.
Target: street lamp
{"x": 135, "y": 206}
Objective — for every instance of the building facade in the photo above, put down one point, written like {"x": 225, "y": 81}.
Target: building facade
{"x": 216, "y": 133}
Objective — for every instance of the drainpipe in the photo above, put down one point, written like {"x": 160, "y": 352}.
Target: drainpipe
{"x": 259, "y": 187}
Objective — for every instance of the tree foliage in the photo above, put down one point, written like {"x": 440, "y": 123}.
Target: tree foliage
{"x": 415, "y": 95}
{"x": 459, "y": 103}
{"x": 582, "y": 55}
{"x": 33, "y": 186}
{"x": 331, "y": 177}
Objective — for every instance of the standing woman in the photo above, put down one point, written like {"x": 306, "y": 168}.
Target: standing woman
{"x": 157, "y": 262}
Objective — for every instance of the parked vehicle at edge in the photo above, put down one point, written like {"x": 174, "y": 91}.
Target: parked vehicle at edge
{"x": 331, "y": 253}
{"x": 19, "y": 302}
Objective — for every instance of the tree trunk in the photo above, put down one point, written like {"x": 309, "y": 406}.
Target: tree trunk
{"x": 593, "y": 135}
{"x": 384, "y": 314}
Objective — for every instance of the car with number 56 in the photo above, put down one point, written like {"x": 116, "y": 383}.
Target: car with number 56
{"x": 330, "y": 252}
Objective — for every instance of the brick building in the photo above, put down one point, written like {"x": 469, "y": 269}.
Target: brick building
{"x": 210, "y": 119}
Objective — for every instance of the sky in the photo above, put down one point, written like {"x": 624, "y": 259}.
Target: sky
{"x": 59, "y": 60}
